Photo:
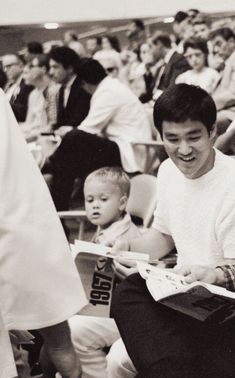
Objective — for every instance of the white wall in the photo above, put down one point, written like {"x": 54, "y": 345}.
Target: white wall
{"x": 38, "y": 11}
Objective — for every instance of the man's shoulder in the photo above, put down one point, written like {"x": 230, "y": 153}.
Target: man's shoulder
{"x": 166, "y": 165}
{"x": 114, "y": 90}
{"x": 232, "y": 57}
{"x": 77, "y": 84}
{"x": 178, "y": 59}
{"x": 77, "y": 89}
{"x": 227, "y": 165}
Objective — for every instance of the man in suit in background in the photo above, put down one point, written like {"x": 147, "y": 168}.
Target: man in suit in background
{"x": 223, "y": 45}
{"x": 73, "y": 100}
{"x": 16, "y": 90}
{"x": 182, "y": 29}
{"x": 169, "y": 64}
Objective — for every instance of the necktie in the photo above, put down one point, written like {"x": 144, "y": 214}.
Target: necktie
{"x": 61, "y": 109}
{"x": 159, "y": 76}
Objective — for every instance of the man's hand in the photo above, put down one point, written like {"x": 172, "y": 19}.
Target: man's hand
{"x": 124, "y": 267}
{"x": 202, "y": 273}
{"x": 63, "y": 130}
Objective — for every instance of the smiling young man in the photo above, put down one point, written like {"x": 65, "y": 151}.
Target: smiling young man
{"x": 196, "y": 214}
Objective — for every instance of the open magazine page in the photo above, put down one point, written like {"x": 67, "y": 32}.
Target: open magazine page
{"x": 199, "y": 300}
{"x": 94, "y": 264}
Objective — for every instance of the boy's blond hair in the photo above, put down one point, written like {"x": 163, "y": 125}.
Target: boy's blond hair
{"x": 114, "y": 175}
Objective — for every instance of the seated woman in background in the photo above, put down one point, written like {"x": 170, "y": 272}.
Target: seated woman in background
{"x": 141, "y": 77}
{"x": 196, "y": 52}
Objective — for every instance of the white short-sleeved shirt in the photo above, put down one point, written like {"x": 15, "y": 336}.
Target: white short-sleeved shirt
{"x": 199, "y": 214}
{"x": 207, "y": 79}
{"x": 117, "y": 114}
{"x": 39, "y": 283}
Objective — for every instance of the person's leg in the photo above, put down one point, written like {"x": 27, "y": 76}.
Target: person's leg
{"x": 119, "y": 364}
{"x": 78, "y": 154}
{"x": 163, "y": 343}
{"x": 90, "y": 335}
{"x": 21, "y": 361}
{"x": 57, "y": 353}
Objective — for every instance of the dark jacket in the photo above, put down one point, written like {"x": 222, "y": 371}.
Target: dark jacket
{"x": 77, "y": 106}
{"x": 19, "y": 103}
{"x": 176, "y": 65}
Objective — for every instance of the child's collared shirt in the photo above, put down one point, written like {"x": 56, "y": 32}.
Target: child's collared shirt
{"x": 124, "y": 228}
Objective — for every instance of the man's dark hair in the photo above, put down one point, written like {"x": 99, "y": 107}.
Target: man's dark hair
{"x": 91, "y": 71}
{"x": 65, "y": 56}
{"x": 139, "y": 23}
{"x": 225, "y": 33}
{"x": 180, "y": 16}
{"x": 162, "y": 37}
{"x": 181, "y": 102}
{"x": 35, "y": 47}
{"x": 196, "y": 43}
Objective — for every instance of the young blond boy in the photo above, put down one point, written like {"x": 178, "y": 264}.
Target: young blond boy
{"x": 106, "y": 192}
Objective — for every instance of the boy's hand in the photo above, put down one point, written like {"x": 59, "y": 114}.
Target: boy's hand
{"x": 202, "y": 273}
{"x": 124, "y": 267}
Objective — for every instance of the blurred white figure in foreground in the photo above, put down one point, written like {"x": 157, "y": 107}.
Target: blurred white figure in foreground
{"x": 39, "y": 284}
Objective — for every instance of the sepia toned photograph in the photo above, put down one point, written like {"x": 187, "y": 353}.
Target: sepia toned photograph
{"x": 117, "y": 169}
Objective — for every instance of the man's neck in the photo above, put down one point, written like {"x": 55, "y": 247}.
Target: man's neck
{"x": 69, "y": 78}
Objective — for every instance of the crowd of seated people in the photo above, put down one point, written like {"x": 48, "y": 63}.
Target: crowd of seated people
{"x": 147, "y": 63}
{"x": 96, "y": 97}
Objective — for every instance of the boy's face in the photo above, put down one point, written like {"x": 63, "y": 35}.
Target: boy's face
{"x": 189, "y": 146}
{"x": 103, "y": 202}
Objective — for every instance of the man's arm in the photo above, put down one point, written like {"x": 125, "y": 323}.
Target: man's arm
{"x": 153, "y": 242}
{"x": 224, "y": 97}
{"x": 226, "y": 141}
{"x": 102, "y": 108}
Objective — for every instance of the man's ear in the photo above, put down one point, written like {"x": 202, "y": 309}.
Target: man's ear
{"x": 123, "y": 203}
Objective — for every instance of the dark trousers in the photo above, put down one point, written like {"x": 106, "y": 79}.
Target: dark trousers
{"x": 78, "y": 154}
{"x": 162, "y": 343}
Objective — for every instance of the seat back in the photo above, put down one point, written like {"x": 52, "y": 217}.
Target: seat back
{"x": 143, "y": 197}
